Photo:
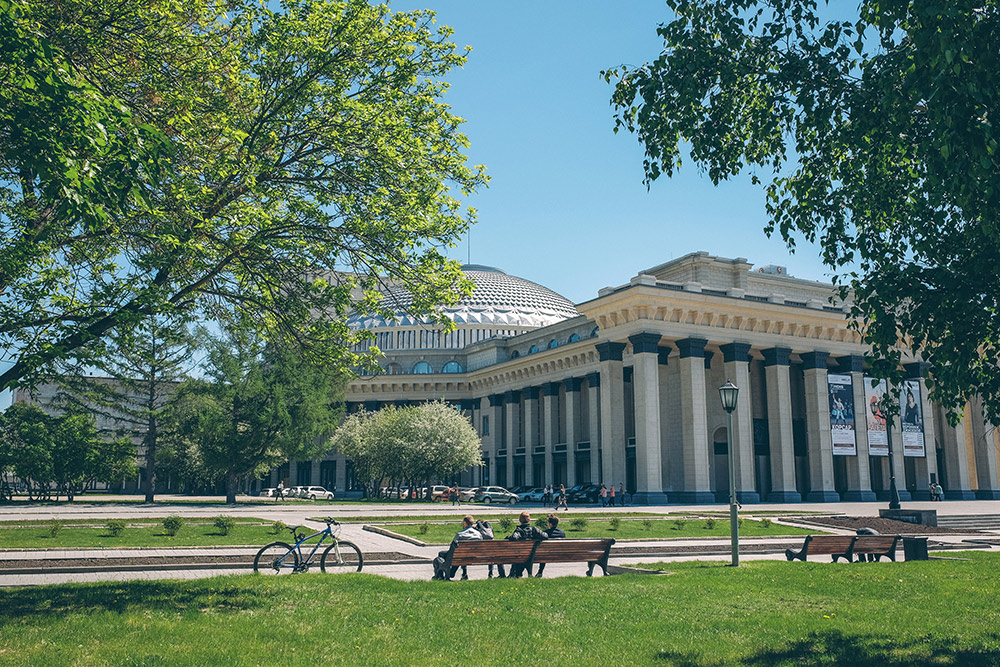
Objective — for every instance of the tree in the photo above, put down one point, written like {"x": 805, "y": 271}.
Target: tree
{"x": 256, "y": 407}
{"x": 878, "y": 134}
{"x": 140, "y": 370}
{"x": 311, "y": 161}
{"x": 417, "y": 444}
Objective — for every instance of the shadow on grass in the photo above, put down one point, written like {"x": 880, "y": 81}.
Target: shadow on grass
{"x": 837, "y": 648}
{"x": 180, "y": 597}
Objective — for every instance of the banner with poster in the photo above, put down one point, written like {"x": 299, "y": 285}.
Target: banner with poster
{"x": 842, "y": 414}
{"x": 878, "y": 443}
{"x": 911, "y": 418}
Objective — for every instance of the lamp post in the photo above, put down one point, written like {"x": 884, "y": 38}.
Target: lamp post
{"x": 893, "y": 491}
{"x": 729, "y": 392}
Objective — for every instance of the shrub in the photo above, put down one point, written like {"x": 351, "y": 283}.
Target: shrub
{"x": 224, "y": 524}
{"x": 765, "y": 523}
{"x": 423, "y": 528}
{"x": 616, "y": 523}
{"x": 679, "y": 524}
{"x": 709, "y": 523}
{"x": 647, "y": 524}
{"x": 54, "y": 527}
{"x": 115, "y": 527}
{"x": 506, "y": 524}
{"x": 277, "y": 527}
{"x": 579, "y": 523}
{"x": 542, "y": 522}
{"x": 172, "y": 524}
{"x": 739, "y": 522}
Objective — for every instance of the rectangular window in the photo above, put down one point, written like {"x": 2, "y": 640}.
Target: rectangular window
{"x": 486, "y": 424}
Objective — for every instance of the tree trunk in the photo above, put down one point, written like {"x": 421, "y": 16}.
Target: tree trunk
{"x": 149, "y": 481}
{"x": 231, "y": 480}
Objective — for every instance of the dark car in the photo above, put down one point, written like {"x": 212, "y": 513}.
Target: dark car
{"x": 587, "y": 493}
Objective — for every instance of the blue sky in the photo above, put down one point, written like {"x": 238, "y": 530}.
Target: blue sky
{"x": 566, "y": 206}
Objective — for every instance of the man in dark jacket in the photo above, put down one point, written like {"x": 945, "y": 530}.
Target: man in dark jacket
{"x": 525, "y": 531}
{"x": 553, "y": 532}
{"x": 468, "y": 532}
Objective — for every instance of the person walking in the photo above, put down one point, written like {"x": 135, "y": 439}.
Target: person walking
{"x": 455, "y": 497}
{"x": 611, "y": 498}
{"x": 553, "y": 532}
{"x": 562, "y": 498}
{"x": 280, "y": 491}
{"x": 621, "y": 494}
{"x": 604, "y": 496}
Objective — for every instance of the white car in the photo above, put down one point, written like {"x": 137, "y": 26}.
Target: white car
{"x": 316, "y": 493}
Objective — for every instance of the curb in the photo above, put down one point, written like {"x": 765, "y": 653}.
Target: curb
{"x": 397, "y": 536}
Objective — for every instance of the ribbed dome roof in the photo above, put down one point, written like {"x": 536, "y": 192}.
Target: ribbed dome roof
{"x": 498, "y": 299}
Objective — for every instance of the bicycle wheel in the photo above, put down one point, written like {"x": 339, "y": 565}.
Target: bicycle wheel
{"x": 276, "y": 558}
{"x": 349, "y": 560}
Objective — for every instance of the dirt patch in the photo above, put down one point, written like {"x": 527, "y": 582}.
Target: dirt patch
{"x": 883, "y": 526}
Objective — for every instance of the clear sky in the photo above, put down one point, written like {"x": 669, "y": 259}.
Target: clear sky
{"x": 566, "y": 206}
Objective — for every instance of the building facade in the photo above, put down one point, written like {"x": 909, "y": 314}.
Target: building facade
{"x": 623, "y": 389}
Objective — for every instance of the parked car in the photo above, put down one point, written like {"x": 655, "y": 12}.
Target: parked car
{"x": 466, "y": 495}
{"x": 587, "y": 493}
{"x": 495, "y": 494}
{"x": 438, "y": 491}
{"x": 534, "y": 495}
{"x": 268, "y": 492}
{"x": 317, "y": 493}
{"x": 296, "y": 492}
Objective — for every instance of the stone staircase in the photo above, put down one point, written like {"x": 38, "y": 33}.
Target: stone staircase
{"x": 970, "y": 521}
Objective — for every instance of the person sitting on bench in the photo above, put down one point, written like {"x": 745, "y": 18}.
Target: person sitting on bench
{"x": 554, "y": 532}
{"x": 525, "y": 531}
{"x": 468, "y": 532}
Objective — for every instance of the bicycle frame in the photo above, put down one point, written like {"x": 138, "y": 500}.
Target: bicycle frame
{"x": 304, "y": 562}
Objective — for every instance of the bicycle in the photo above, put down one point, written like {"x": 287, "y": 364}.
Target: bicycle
{"x": 283, "y": 558}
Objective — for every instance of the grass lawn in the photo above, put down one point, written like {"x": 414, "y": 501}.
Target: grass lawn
{"x": 138, "y": 533}
{"x": 628, "y": 529}
{"x": 765, "y": 613}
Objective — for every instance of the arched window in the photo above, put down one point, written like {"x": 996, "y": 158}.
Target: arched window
{"x": 533, "y": 349}
{"x": 573, "y": 338}
{"x": 395, "y": 369}
{"x": 553, "y": 343}
{"x": 515, "y": 354}
{"x": 593, "y": 334}
{"x": 452, "y": 367}
{"x": 421, "y": 368}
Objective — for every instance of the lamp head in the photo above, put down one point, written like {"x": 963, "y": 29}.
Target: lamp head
{"x": 729, "y": 392}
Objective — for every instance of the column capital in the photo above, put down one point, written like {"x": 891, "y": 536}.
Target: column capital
{"x": 735, "y": 352}
{"x": 572, "y": 384}
{"x": 815, "y": 359}
{"x": 916, "y": 370}
{"x": 512, "y": 396}
{"x": 530, "y": 393}
{"x": 593, "y": 379}
{"x": 852, "y": 363}
{"x": 708, "y": 359}
{"x": 777, "y": 356}
{"x": 645, "y": 342}
{"x": 663, "y": 355}
{"x": 691, "y": 347}
{"x": 610, "y": 351}
{"x": 551, "y": 388}
{"x": 496, "y": 400}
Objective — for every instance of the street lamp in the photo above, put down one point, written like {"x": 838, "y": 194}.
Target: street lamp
{"x": 893, "y": 491}
{"x": 729, "y": 392}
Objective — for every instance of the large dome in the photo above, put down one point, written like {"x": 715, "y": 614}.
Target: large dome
{"x": 498, "y": 299}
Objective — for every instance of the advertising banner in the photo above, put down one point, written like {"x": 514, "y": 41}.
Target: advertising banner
{"x": 878, "y": 443}
{"x": 842, "y": 414}
{"x": 911, "y": 417}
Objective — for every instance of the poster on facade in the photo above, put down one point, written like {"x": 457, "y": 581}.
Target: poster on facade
{"x": 911, "y": 418}
{"x": 842, "y": 414}
{"x": 878, "y": 443}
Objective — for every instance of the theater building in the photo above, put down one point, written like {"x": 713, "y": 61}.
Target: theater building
{"x": 623, "y": 388}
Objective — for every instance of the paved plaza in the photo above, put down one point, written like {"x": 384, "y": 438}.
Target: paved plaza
{"x": 413, "y": 560}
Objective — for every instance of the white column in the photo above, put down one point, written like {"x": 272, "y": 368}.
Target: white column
{"x": 694, "y": 423}
{"x": 492, "y": 441}
{"x": 736, "y": 364}
{"x": 779, "y": 426}
{"x": 512, "y": 407}
{"x": 859, "y": 486}
{"x": 988, "y": 487}
{"x": 612, "y": 411}
{"x": 530, "y": 433}
{"x": 926, "y": 465}
{"x": 594, "y": 426}
{"x": 819, "y": 437}
{"x": 646, "y": 386}
{"x": 572, "y": 426}
{"x": 956, "y": 463}
{"x": 550, "y": 428}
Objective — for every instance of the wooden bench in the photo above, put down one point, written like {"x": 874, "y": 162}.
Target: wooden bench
{"x": 528, "y": 553}
{"x": 838, "y": 546}
{"x": 873, "y": 547}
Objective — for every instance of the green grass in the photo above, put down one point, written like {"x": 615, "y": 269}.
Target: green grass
{"x": 628, "y": 530}
{"x": 92, "y": 533}
{"x": 705, "y": 614}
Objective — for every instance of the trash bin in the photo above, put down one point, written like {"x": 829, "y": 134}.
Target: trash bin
{"x": 915, "y": 548}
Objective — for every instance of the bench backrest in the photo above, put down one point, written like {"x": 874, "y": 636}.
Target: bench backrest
{"x": 483, "y": 552}
{"x": 830, "y": 544}
{"x": 875, "y": 543}
{"x": 572, "y": 551}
